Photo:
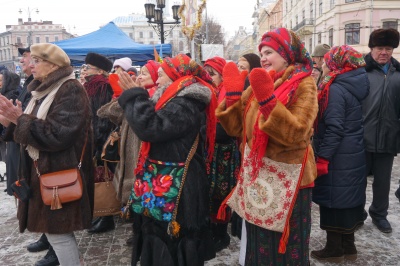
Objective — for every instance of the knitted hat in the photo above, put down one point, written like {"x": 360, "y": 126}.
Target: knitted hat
{"x": 384, "y": 37}
{"x": 152, "y": 66}
{"x": 320, "y": 50}
{"x": 125, "y": 63}
{"x": 51, "y": 53}
{"x": 253, "y": 59}
{"x": 99, "y": 61}
{"x": 21, "y": 51}
{"x": 216, "y": 63}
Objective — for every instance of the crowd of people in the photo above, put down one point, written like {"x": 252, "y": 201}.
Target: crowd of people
{"x": 251, "y": 143}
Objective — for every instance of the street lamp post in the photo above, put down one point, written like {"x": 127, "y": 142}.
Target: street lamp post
{"x": 155, "y": 16}
{"x": 29, "y": 10}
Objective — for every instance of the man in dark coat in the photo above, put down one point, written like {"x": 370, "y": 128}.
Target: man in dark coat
{"x": 381, "y": 112}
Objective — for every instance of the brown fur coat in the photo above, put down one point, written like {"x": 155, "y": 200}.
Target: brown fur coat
{"x": 59, "y": 139}
{"x": 289, "y": 127}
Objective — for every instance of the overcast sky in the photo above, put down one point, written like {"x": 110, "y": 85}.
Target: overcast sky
{"x": 82, "y": 17}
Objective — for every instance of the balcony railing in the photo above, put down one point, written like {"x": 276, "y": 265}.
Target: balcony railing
{"x": 305, "y": 22}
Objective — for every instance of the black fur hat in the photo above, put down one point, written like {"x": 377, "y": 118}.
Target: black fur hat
{"x": 99, "y": 61}
{"x": 384, "y": 37}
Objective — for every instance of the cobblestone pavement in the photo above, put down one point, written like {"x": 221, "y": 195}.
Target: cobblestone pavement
{"x": 109, "y": 249}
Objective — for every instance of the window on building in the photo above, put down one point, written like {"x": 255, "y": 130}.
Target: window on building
{"x": 320, "y": 7}
{"x": 1, "y": 55}
{"x": 297, "y": 20}
{"x": 180, "y": 34}
{"x": 47, "y": 39}
{"x": 37, "y": 39}
{"x": 303, "y": 14}
{"x": 180, "y": 46}
{"x": 390, "y": 25}
{"x": 19, "y": 40}
{"x": 319, "y": 38}
{"x": 311, "y": 10}
{"x": 332, "y": 2}
{"x": 291, "y": 25}
{"x": 131, "y": 35}
{"x": 56, "y": 38}
{"x": 141, "y": 34}
{"x": 352, "y": 33}
{"x": 310, "y": 45}
{"x": 151, "y": 34}
{"x": 331, "y": 37}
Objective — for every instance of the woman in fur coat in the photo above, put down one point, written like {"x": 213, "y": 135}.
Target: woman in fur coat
{"x": 274, "y": 117}
{"x": 171, "y": 188}
{"x": 52, "y": 131}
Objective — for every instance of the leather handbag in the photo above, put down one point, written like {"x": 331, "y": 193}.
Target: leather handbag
{"x": 62, "y": 186}
{"x": 105, "y": 195}
{"x": 110, "y": 152}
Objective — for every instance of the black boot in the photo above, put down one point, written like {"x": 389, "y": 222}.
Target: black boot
{"x": 333, "y": 251}
{"x": 105, "y": 224}
{"x": 49, "y": 260}
{"x": 40, "y": 245}
{"x": 221, "y": 236}
{"x": 349, "y": 248}
{"x": 397, "y": 193}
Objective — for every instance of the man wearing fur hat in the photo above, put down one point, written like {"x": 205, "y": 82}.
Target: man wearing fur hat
{"x": 100, "y": 92}
{"x": 381, "y": 120}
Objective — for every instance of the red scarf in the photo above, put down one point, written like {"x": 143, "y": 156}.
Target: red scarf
{"x": 168, "y": 95}
{"x": 285, "y": 94}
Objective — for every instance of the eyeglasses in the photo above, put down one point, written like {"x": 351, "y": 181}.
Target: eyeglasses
{"x": 87, "y": 67}
{"x": 36, "y": 61}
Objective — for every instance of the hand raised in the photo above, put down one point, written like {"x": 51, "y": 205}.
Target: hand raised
{"x": 233, "y": 82}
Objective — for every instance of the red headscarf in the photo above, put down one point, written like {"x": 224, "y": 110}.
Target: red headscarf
{"x": 339, "y": 60}
{"x": 183, "y": 72}
{"x": 217, "y": 63}
{"x": 152, "y": 66}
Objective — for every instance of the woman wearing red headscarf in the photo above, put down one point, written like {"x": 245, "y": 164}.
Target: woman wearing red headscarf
{"x": 274, "y": 117}
{"x": 171, "y": 188}
{"x": 148, "y": 76}
{"x": 225, "y": 164}
{"x": 339, "y": 148}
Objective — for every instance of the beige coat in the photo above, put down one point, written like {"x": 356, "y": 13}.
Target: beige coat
{"x": 129, "y": 150}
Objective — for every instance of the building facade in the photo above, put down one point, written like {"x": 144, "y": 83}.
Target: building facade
{"x": 24, "y": 34}
{"x": 338, "y": 22}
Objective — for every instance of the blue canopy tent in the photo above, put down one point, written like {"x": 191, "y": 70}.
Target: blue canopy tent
{"x": 113, "y": 43}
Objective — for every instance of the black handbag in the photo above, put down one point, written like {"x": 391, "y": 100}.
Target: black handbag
{"x": 110, "y": 152}
{"x": 21, "y": 190}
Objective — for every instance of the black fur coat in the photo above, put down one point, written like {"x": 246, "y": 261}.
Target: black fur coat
{"x": 59, "y": 139}
{"x": 171, "y": 132}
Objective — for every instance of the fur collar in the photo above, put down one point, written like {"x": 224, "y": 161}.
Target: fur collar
{"x": 372, "y": 64}
{"x": 60, "y": 73}
{"x": 194, "y": 91}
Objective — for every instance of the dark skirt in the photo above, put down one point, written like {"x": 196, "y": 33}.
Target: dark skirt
{"x": 222, "y": 177}
{"x": 156, "y": 247}
{"x": 343, "y": 221}
{"x": 263, "y": 244}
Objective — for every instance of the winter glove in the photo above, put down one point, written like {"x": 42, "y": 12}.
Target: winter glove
{"x": 113, "y": 79}
{"x": 233, "y": 83}
{"x": 322, "y": 166}
{"x": 263, "y": 88}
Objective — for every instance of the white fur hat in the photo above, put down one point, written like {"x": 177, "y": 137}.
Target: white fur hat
{"x": 125, "y": 63}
